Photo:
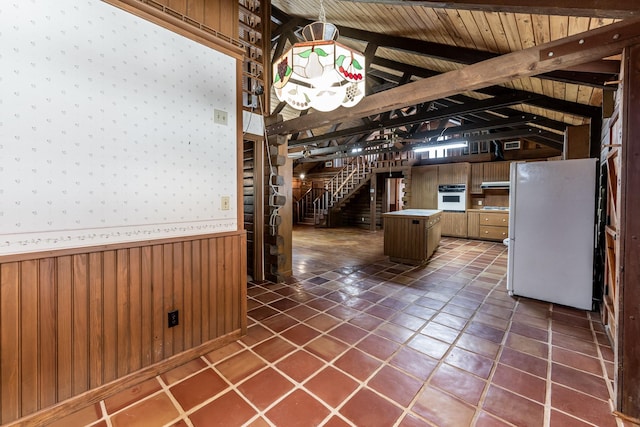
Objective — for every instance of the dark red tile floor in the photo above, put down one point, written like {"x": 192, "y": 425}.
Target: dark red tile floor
{"x": 355, "y": 340}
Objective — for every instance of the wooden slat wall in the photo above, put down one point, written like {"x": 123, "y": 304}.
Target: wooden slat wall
{"x": 221, "y": 15}
{"x": 72, "y": 323}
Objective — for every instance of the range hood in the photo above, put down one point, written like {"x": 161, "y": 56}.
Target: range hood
{"x": 495, "y": 185}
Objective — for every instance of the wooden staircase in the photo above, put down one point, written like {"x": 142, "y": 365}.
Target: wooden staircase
{"x": 340, "y": 188}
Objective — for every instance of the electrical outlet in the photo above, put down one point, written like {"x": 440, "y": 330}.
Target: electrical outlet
{"x": 220, "y": 117}
{"x": 172, "y": 319}
{"x": 224, "y": 202}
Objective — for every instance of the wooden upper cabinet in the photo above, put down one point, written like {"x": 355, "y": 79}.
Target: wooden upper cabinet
{"x": 424, "y": 187}
{"x": 453, "y": 173}
{"x": 495, "y": 171}
{"x": 577, "y": 142}
{"x": 477, "y": 176}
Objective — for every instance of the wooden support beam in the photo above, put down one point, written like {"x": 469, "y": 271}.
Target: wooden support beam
{"x": 628, "y": 352}
{"x": 577, "y": 49}
{"x": 443, "y": 113}
{"x": 593, "y": 8}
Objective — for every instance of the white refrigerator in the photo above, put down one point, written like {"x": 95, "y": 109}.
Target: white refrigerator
{"x": 551, "y": 231}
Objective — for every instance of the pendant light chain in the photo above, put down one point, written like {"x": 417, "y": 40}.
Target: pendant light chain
{"x": 323, "y": 15}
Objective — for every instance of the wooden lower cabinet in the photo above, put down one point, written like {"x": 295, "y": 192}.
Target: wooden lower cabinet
{"x": 492, "y": 232}
{"x": 473, "y": 225}
{"x": 454, "y": 224}
{"x": 487, "y": 225}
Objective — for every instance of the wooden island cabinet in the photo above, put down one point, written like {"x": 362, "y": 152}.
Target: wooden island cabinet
{"x": 412, "y": 235}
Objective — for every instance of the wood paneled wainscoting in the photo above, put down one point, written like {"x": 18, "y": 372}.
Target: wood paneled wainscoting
{"x": 87, "y": 324}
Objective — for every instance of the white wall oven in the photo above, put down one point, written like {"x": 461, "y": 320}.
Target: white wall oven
{"x": 452, "y": 197}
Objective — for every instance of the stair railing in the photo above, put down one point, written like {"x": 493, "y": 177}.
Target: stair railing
{"x": 302, "y": 205}
{"x": 349, "y": 176}
{"x": 320, "y": 207}
{"x": 339, "y": 186}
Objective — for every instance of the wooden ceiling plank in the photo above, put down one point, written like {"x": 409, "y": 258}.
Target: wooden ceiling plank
{"x": 571, "y": 92}
{"x": 437, "y": 26}
{"x": 422, "y": 26}
{"x": 499, "y": 35}
{"x": 510, "y": 27}
{"x": 457, "y": 29}
{"x": 559, "y": 26}
{"x": 476, "y": 34}
{"x": 604, "y": 8}
{"x": 494, "y": 71}
{"x": 485, "y": 30}
{"x": 599, "y": 21}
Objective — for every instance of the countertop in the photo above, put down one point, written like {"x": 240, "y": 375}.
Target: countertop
{"x": 413, "y": 213}
{"x": 489, "y": 210}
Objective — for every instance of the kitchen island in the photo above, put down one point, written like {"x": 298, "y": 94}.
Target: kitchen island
{"x": 412, "y": 235}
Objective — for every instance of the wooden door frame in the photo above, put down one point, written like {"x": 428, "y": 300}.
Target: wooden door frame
{"x": 628, "y": 349}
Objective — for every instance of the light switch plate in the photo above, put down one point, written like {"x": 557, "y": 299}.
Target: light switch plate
{"x": 220, "y": 117}
{"x": 224, "y": 203}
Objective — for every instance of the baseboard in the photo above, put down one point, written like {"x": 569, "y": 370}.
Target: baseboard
{"x": 69, "y": 406}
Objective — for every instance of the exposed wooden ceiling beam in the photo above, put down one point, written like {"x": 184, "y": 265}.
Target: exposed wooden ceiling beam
{"x": 594, "y": 8}
{"x": 573, "y": 50}
{"x": 478, "y": 105}
{"x": 542, "y": 101}
{"x": 523, "y": 119}
{"x": 462, "y": 55}
{"x": 543, "y": 137}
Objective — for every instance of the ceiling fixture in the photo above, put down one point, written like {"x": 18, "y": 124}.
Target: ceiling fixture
{"x": 319, "y": 72}
{"x": 422, "y": 148}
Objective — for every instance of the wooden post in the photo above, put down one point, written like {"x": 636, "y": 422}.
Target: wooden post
{"x": 373, "y": 194}
{"x": 628, "y": 351}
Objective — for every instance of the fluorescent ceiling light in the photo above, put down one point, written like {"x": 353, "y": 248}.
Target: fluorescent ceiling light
{"x": 356, "y": 150}
{"x": 433, "y": 147}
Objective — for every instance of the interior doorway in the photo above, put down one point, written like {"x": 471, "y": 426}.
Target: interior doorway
{"x": 394, "y": 190}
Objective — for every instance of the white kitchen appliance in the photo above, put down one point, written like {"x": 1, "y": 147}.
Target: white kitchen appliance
{"x": 452, "y": 197}
{"x": 551, "y": 231}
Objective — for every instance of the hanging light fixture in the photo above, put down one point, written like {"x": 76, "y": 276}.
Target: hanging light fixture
{"x": 319, "y": 72}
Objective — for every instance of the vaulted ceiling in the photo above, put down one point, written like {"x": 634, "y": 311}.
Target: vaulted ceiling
{"x": 406, "y": 41}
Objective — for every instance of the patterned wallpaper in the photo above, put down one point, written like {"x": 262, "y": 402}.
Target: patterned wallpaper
{"x": 106, "y": 129}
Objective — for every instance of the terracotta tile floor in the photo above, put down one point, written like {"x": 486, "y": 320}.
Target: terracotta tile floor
{"x": 355, "y": 340}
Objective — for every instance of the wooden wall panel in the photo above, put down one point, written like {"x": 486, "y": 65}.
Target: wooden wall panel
{"x": 220, "y": 15}
{"x": 96, "y": 314}
{"x": 9, "y": 341}
{"x": 79, "y": 322}
{"x": 29, "y": 335}
{"x": 73, "y": 323}
{"x": 47, "y": 373}
{"x": 64, "y": 338}
{"x": 109, "y": 305}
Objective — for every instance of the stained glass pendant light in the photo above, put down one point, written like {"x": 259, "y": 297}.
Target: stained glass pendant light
{"x": 319, "y": 72}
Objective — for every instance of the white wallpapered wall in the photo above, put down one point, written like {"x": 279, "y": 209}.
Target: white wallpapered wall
{"x": 107, "y": 131}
